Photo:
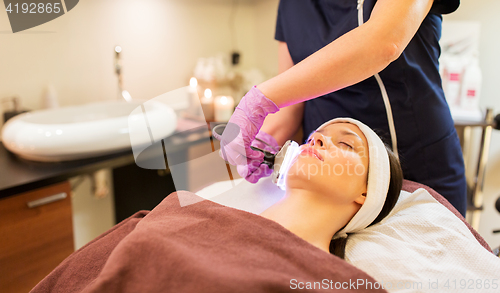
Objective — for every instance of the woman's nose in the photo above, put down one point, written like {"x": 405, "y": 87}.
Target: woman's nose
{"x": 317, "y": 140}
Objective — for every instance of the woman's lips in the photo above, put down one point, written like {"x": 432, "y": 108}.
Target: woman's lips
{"x": 311, "y": 151}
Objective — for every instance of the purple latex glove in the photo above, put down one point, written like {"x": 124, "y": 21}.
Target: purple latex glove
{"x": 241, "y": 130}
{"x": 254, "y": 170}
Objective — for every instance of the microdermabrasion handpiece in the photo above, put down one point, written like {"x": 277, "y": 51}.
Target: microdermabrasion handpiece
{"x": 280, "y": 162}
{"x": 268, "y": 156}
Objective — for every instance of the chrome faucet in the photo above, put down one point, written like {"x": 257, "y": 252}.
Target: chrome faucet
{"x": 118, "y": 70}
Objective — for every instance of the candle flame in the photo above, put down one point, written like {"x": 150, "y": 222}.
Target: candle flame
{"x": 193, "y": 82}
{"x": 223, "y": 100}
{"x": 208, "y": 93}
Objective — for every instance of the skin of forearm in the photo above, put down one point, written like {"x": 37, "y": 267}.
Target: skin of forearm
{"x": 355, "y": 56}
{"x": 283, "y": 124}
{"x": 350, "y": 59}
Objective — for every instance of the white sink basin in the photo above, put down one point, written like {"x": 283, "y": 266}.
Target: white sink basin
{"x": 78, "y": 132}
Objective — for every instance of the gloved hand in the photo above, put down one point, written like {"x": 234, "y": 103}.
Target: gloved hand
{"x": 255, "y": 170}
{"x": 241, "y": 130}
{"x": 265, "y": 141}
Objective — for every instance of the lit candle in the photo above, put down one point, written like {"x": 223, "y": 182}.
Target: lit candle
{"x": 207, "y": 104}
{"x": 224, "y": 106}
{"x": 193, "y": 82}
{"x": 193, "y": 96}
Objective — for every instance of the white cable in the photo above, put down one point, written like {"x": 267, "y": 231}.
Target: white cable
{"x": 360, "y": 12}
{"x": 385, "y": 96}
{"x": 390, "y": 118}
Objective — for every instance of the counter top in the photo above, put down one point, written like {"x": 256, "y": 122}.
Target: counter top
{"x": 18, "y": 175}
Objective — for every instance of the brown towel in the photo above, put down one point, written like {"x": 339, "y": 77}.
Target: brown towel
{"x": 203, "y": 247}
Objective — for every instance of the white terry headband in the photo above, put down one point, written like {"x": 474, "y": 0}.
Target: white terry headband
{"x": 379, "y": 174}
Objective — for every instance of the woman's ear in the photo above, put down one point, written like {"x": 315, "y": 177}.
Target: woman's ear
{"x": 360, "y": 199}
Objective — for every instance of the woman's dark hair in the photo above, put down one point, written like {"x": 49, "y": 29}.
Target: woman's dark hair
{"x": 337, "y": 246}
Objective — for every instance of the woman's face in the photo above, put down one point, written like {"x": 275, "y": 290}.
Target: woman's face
{"x": 333, "y": 162}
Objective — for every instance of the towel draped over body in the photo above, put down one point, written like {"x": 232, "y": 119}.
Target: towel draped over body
{"x": 207, "y": 247}
{"x": 201, "y": 247}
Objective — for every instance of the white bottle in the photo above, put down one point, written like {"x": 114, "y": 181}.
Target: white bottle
{"x": 443, "y": 71}
{"x": 454, "y": 71}
{"x": 471, "y": 86}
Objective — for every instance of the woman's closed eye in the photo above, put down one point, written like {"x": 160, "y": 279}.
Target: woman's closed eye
{"x": 347, "y": 145}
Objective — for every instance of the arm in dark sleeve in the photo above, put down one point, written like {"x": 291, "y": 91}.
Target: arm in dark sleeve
{"x": 280, "y": 34}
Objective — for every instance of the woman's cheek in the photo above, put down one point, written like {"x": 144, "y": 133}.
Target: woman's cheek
{"x": 304, "y": 168}
{"x": 345, "y": 166}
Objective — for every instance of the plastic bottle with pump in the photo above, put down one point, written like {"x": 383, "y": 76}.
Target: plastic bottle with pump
{"x": 471, "y": 86}
{"x": 453, "y": 75}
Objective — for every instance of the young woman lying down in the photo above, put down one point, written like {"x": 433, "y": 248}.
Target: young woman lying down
{"x": 297, "y": 243}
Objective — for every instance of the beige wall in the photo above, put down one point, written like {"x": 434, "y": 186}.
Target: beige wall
{"x": 161, "y": 40}
{"x": 266, "y": 48}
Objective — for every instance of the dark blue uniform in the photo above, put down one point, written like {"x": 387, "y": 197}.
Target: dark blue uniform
{"x": 428, "y": 144}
